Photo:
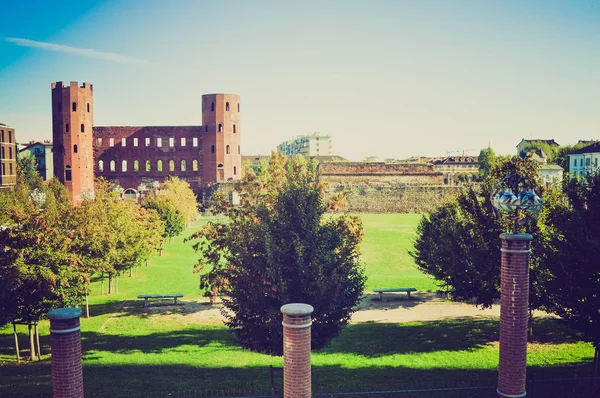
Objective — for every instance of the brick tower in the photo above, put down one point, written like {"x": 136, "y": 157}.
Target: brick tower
{"x": 72, "y": 120}
{"x": 221, "y": 154}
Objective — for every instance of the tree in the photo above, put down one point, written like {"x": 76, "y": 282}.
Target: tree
{"x": 551, "y": 151}
{"x": 169, "y": 213}
{"x": 179, "y": 192}
{"x": 459, "y": 244}
{"x": 573, "y": 286}
{"x": 279, "y": 247}
{"x": 486, "y": 160}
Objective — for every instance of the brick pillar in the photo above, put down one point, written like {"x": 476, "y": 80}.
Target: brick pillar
{"x": 65, "y": 342}
{"x": 514, "y": 313}
{"x": 296, "y": 350}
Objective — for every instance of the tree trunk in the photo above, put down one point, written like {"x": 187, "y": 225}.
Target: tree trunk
{"x": 16, "y": 343}
{"x": 102, "y": 284}
{"x": 130, "y": 272}
{"x": 117, "y": 283}
{"x": 37, "y": 339}
{"x": 530, "y": 323}
{"x": 31, "y": 343}
{"x": 596, "y": 383}
{"x": 110, "y": 283}
{"x": 87, "y": 305}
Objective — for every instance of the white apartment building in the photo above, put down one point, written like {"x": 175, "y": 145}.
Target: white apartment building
{"x": 585, "y": 160}
{"x": 310, "y": 145}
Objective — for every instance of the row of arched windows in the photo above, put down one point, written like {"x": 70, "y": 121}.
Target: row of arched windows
{"x": 212, "y": 107}
{"x": 227, "y": 149}
{"x": 148, "y": 165}
{"x": 82, "y": 127}
{"x": 219, "y": 129}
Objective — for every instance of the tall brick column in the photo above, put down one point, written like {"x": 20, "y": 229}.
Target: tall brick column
{"x": 65, "y": 342}
{"x": 514, "y": 313}
{"x": 296, "y": 350}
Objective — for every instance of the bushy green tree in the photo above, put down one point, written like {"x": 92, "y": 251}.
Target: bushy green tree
{"x": 486, "y": 160}
{"x": 169, "y": 213}
{"x": 280, "y": 247}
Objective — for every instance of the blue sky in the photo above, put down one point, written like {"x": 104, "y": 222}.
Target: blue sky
{"x": 384, "y": 78}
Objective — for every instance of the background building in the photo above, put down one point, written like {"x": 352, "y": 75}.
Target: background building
{"x": 42, "y": 152}
{"x": 8, "y": 156}
{"x": 585, "y": 160}
{"x": 451, "y": 166}
{"x": 314, "y": 144}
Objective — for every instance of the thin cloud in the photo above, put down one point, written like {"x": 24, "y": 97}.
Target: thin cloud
{"x": 87, "y": 52}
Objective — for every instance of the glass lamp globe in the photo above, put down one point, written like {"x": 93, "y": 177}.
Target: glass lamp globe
{"x": 505, "y": 200}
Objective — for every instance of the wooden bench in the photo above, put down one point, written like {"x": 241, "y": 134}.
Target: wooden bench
{"x": 159, "y": 296}
{"x": 400, "y": 289}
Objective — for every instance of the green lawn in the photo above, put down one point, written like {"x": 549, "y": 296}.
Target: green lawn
{"x": 131, "y": 351}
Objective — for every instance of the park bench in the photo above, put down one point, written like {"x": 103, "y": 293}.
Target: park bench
{"x": 400, "y": 289}
{"x": 159, "y": 296}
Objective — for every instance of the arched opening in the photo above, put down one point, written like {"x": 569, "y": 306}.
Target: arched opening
{"x": 212, "y": 106}
{"x": 68, "y": 175}
{"x": 124, "y": 165}
{"x": 130, "y": 195}
{"x": 171, "y": 165}
{"x": 67, "y": 128}
{"x": 234, "y": 129}
{"x": 238, "y": 149}
{"x": 212, "y": 149}
{"x": 60, "y": 106}
{"x": 194, "y": 165}
{"x": 227, "y": 106}
{"x": 112, "y": 165}
{"x": 75, "y": 148}
{"x": 234, "y": 170}
{"x": 82, "y": 128}
{"x": 136, "y": 165}
{"x": 206, "y": 128}
{"x": 220, "y": 128}
{"x": 159, "y": 165}
{"x": 219, "y": 166}
{"x": 148, "y": 167}
{"x": 238, "y": 106}
{"x": 74, "y": 106}
{"x": 88, "y": 107}
{"x": 100, "y": 165}
{"x": 227, "y": 150}
{"x": 183, "y": 165}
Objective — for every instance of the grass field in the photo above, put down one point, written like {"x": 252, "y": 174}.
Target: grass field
{"x": 130, "y": 351}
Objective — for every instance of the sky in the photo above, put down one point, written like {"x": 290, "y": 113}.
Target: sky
{"x": 391, "y": 79}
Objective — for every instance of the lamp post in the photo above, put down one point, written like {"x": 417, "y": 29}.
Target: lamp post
{"x": 514, "y": 293}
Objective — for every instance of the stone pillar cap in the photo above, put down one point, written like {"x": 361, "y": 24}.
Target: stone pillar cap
{"x": 63, "y": 314}
{"x": 297, "y": 309}
{"x": 509, "y": 236}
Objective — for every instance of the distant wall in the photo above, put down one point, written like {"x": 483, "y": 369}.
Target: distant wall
{"x": 386, "y": 187}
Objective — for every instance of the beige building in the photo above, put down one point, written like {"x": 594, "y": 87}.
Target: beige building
{"x": 8, "y": 156}
{"x": 314, "y": 144}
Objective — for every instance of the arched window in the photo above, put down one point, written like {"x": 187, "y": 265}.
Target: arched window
{"x": 238, "y": 149}
{"x": 148, "y": 167}
{"x": 171, "y": 165}
{"x": 112, "y": 165}
{"x": 212, "y": 149}
{"x": 220, "y": 128}
{"x": 88, "y": 106}
{"x": 100, "y": 165}
{"x": 234, "y": 170}
{"x": 124, "y": 165}
{"x": 212, "y": 106}
{"x": 234, "y": 129}
{"x": 67, "y": 128}
{"x": 194, "y": 165}
{"x": 206, "y": 128}
{"x": 74, "y": 106}
{"x": 238, "y": 106}
{"x": 227, "y": 106}
{"x": 227, "y": 150}
{"x": 82, "y": 128}
{"x": 136, "y": 165}
{"x": 75, "y": 148}
{"x": 159, "y": 165}
{"x": 219, "y": 166}
{"x": 68, "y": 173}
{"x": 183, "y": 165}
{"x": 60, "y": 106}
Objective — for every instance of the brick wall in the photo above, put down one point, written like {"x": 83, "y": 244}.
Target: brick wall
{"x": 296, "y": 350}
{"x": 378, "y": 168}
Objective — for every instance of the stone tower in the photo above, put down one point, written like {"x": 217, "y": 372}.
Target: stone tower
{"x": 72, "y": 120}
{"x": 221, "y": 154}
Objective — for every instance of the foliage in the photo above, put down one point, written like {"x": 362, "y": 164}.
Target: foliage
{"x": 179, "y": 192}
{"x": 551, "y": 151}
{"x": 486, "y": 160}
{"x": 574, "y": 282}
{"x": 169, "y": 213}
{"x": 278, "y": 247}
{"x": 459, "y": 243}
